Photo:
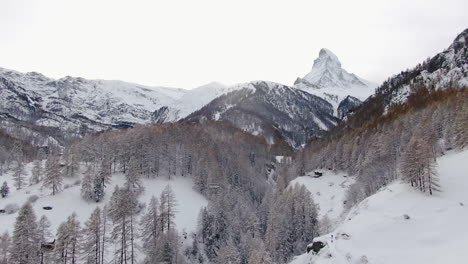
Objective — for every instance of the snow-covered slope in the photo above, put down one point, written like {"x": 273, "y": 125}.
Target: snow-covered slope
{"x": 328, "y": 191}
{"x": 69, "y": 200}
{"x": 376, "y": 231}
{"x": 330, "y": 81}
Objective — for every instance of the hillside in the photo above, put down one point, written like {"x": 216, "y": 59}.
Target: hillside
{"x": 447, "y": 69}
{"x": 434, "y": 233}
{"x": 70, "y": 201}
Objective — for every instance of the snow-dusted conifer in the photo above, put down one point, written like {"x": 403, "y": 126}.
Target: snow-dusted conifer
{"x": 53, "y": 176}
{"x": 418, "y": 166}
{"x": 167, "y": 209}
{"x": 259, "y": 254}
{"x": 45, "y": 235}
{"x": 121, "y": 211}
{"x": 133, "y": 177}
{"x": 92, "y": 237}
{"x": 98, "y": 190}
{"x": 26, "y": 244}
{"x": 150, "y": 229}
{"x": 36, "y": 172}
{"x": 66, "y": 244}
{"x": 5, "y": 244}
{"x": 4, "y": 190}
{"x": 87, "y": 185}
{"x": 19, "y": 175}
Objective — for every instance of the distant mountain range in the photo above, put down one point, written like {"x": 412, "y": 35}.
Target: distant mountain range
{"x": 50, "y": 111}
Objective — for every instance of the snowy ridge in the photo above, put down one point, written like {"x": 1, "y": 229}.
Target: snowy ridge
{"x": 448, "y": 69}
{"x": 330, "y": 81}
{"x": 271, "y": 110}
{"x": 434, "y": 233}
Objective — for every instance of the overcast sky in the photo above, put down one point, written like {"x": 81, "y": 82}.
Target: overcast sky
{"x": 189, "y": 43}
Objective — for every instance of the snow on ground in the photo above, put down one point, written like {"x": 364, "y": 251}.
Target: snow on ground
{"x": 327, "y": 191}
{"x": 69, "y": 200}
{"x": 436, "y": 231}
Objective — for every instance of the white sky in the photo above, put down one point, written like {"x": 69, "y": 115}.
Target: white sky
{"x": 189, "y": 43}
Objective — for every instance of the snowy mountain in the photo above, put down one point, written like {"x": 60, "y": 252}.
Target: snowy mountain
{"x": 330, "y": 81}
{"x": 50, "y": 110}
{"x": 402, "y": 225}
{"x": 272, "y": 110}
{"x": 448, "y": 69}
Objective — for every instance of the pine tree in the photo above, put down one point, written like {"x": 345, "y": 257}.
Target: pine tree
{"x": 53, "y": 175}
{"x": 5, "y": 244}
{"x": 98, "y": 190}
{"x": 36, "y": 172}
{"x": 4, "y": 190}
{"x": 25, "y": 245}
{"x": 92, "y": 237}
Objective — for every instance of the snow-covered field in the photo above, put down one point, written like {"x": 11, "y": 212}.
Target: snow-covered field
{"x": 436, "y": 231}
{"x": 69, "y": 200}
{"x": 327, "y": 191}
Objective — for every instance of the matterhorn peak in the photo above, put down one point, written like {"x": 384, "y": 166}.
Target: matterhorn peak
{"x": 330, "y": 81}
{"x": 327, "y": 60}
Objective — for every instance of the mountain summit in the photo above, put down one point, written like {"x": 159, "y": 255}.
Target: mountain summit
{"x": 330, "y": 81}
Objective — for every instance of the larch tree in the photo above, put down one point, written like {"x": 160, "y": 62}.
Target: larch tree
{"x": 53, "y": 175}
{"x": 66, "y": 244}
{"x": 5, "y": 244}
{"x": 167, "y": 209}
{"x": 87, "y": 185}
{"x": 418, "y": 166}
{"x": 25, "y": 241}
{"x": 19, "y": 175}
{"x": 92, "y": 238}
{"x": 133, "y": 177}
{"x": 259, "y": 254}
{"x": 72, "y": 164}
{"x": 45, "y": 236}
{"x": 150, "y": 230}
{"x": 36, "y": 173}
{"x": 121, "y": 211}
